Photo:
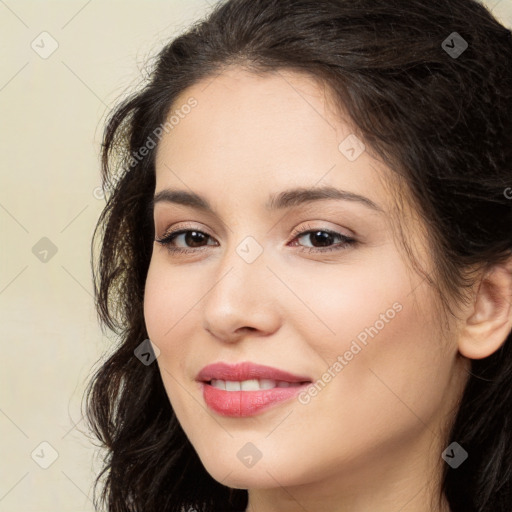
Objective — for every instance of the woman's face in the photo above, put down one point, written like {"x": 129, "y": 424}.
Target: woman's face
{"x": 281, "y": 287}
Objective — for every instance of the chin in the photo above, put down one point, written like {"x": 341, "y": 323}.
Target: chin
{"x": 245, "y": 479}
{"x": 263, "y": 474}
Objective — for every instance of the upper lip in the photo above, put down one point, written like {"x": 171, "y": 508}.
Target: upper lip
{"x": 246, "y": 371}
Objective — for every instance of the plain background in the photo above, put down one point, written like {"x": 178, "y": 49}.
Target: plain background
{"x": 52, "y": 110}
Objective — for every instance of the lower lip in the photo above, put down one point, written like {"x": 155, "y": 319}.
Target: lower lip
{"x": 246, "y": 403}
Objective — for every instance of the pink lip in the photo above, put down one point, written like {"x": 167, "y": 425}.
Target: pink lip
{"x": 246, "y": 403}
{"x": 246, "y": 371}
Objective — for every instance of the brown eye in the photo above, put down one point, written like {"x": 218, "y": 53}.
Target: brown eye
{"x": 322, "y": 240}
{"x": 193, "y": 239}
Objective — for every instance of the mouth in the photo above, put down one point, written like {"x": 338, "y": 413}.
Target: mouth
{"x": 246, "y": 389}
{"x": 253, "y": 384}
{"x": 247, "y": 371}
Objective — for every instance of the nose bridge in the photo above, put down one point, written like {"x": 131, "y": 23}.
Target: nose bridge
{"x": 242, "y": 294}
{"x": 242, "y": 269}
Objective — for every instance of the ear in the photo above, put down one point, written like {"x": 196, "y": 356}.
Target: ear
{"x": 490, "y": 319}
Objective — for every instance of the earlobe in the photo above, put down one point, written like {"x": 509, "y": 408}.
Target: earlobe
{"x": 490, "y": 321}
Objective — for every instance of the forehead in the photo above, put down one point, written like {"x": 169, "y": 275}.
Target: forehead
{"x": 249, "y": 132}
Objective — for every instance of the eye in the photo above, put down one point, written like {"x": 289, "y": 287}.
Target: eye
{"x": 190, "y": 236}
{"x": 195, "y": 238}
{"x": 324, "y": 237}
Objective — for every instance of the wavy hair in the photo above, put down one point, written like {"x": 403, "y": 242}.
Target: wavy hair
{"x": 444, "y": 125}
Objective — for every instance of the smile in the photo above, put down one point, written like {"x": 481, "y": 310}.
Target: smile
{"x": 246, "y": 389}
{"x": 251, "y": 385}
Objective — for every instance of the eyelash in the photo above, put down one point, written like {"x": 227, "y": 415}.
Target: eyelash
{"x": 346, "y": 241}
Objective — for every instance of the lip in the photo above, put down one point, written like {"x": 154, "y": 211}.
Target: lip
{"x": 247, "y": 403}
{"x": 246, "y": 371}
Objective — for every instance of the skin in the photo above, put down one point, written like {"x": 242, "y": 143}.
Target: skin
{"x": 372, "y": 438}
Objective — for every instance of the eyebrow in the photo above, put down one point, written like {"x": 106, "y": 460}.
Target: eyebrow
{"x": 283, "y": 200}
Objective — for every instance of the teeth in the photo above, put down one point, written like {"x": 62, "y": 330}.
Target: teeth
{"x": 249, "y": 385}
{"x": 233, "y": 386}
{"x": 219, "y": 384}
{"x": 267, "y": 384}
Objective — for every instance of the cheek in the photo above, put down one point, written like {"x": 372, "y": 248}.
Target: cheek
{"x": 164, "y": 310}
{"x": 172, "y": 317}
{"x": 381, "y": 323}
{"x": 157, "y": 310}
{"x": 168, "y": 302}
{"x": 165, "y": 314}
{"x": 353, "y": 301}
{"x": 394, "y": 375}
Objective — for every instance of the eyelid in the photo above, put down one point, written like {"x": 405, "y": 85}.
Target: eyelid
{"x": 301, "y": 230}
{"x": 193, "y": 226}
{"x": 346, "y": 240}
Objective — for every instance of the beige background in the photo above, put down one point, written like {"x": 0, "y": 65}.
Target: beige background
{"x": 51, "y": 119}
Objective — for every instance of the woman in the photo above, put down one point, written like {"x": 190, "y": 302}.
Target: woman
{"x": 306, "y": 254}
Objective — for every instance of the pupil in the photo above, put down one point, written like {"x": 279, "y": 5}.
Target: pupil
{"x": 324, "y": 238}
{"x": 189, "y": 237}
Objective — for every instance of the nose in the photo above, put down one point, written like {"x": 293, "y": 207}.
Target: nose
{"x": 242, "y": 300}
